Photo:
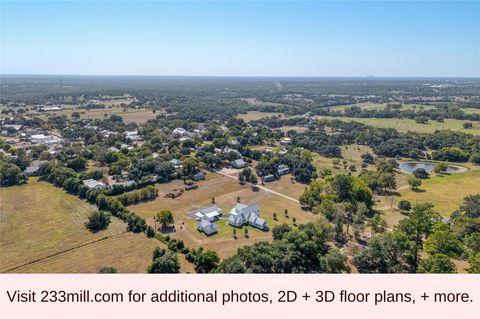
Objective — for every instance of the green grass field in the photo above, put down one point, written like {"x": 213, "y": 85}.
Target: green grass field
{"x": 381, "y": 106}
{"x": 366, "y": 106}
{"x": 405, "y": 125}
{"x": 38, "y": 220}
{"x": 445, "y": 192}
{"x": 471, "y": 110}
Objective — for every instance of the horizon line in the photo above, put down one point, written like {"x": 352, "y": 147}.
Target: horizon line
{"x": 248, "y": 76}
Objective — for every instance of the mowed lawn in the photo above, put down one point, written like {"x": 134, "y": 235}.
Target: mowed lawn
{"x": 405, "y": 125}
{"x": 38, "y": 220}
{"x": 225, "y": 191}
{"x": 446, "y": 192}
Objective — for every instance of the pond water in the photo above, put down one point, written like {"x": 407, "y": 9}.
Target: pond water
{"x": 410, "y": 167}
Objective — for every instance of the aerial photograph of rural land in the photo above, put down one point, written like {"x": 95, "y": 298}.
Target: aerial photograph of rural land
{"x": 240, "y": 137}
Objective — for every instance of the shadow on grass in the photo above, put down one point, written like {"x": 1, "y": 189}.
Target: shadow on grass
{"x": 418, "y": 190}
{"x": 167, "y": 229}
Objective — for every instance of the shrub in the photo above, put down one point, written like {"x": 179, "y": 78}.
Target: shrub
{"x": 98, "y": 220}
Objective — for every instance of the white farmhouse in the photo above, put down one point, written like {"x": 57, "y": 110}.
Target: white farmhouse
{"x": 247, "y": 215}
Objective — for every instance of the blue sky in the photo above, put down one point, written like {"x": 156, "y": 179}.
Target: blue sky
{"x": 270, "y": 38}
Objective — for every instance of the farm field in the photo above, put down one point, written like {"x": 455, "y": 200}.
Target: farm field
{"x": 298, "y": 129}
{"x": 381, "y": 106}
{"x": 129, "y": 116}
{"x": 225, "y": 192}
{"x": 257, "y": 102}
{"x": 405, "y": 125}
{"x": 366, "y": 106}
{"x": 471, "y": 110}
{"x": 255, "y": 115}
{"x": 127, "y": 252}
{"x": 38, "y": 220}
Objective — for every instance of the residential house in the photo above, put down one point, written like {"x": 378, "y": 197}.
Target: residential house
{"x": 283, "y": 169}
{"x": 231, "y": 150}
{"x": 176, "y": 163}
{"x": 285, "y": 141}
{"x": 15, "y": 127}
{"x": 239, "y": 163}
{"x": 247, "y": 215}
{"x": 34, "y": 168}
{"x": 179, "y": 131}
{"x": 132, "y": 136}
{"x": 93, "y": 184}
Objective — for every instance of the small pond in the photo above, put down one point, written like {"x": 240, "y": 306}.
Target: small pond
{"x": 410, "y": 167}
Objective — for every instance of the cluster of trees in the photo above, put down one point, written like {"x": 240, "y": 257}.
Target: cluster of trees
{"x": 98, "y": 220}
{"x": 465, "y": 223}
{"x": 66, "y": 178}
{"x": 164, "y": 262}
{"x": 294, "y": 250}
{"x": 78, "y": 163}
{"x": 12, "y": 167}
{"x": 343, "y": 200}
{"x": 164, "y": 218}
{"x": 320, "y": 142}
{"x": 419, "y": 114}
{"x": 10, "y": 174}
{"x": 425, "y": 243}
{"x": 447, "y": 145}
{"x": 135, "y": 197}
{"x": 451, "y": 154}
{"x": 205, "y": 261}
{"x": 298, "y": 160}
{"x": 247, "y": 176}
{"x": 146, "y": 168}
{"x": 134, "y": 222}
{"x": 383, "y": 179}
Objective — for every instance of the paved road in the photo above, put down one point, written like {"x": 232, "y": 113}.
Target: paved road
{"x": 263, "y": 188}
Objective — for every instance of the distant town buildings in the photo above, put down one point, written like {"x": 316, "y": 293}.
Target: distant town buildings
{"x": 132, "y": 136}
{"x": 176, "y": 163}
{"x": 44, "y": 108}
{"x": 45, "y": 139}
